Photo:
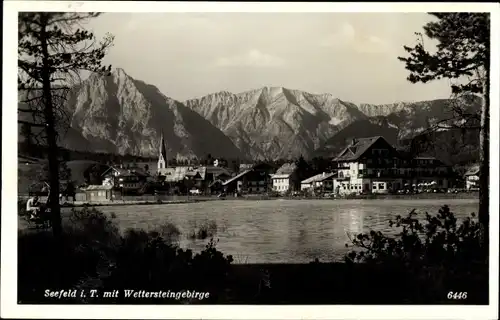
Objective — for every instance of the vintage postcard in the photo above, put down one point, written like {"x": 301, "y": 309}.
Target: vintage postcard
{"x": 204, "y": 160}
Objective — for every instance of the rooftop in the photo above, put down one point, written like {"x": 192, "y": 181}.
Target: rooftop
{"x": 246, "y": 166}
{"x": 98, "y": 187}
{"x": 357, "y": 148}
{"x": 127, "y": 172}
{"x": 236, "y": 177}
{"x": 280, "y": 176}
{"x": 472, "y": 171}
{"x": 287, "y": 169}
{"x": 319, "y": 177}
{"x": 173, "y": 174}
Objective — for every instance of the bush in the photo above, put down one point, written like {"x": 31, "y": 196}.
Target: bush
{"x": 439, "y": 241}
{"x": 437, "y": 253}
{"x": 93, "y": 254}
{"x": 207, "y": 229}
{"x": 146, "y": 262}
{"x": 169, "y": 232}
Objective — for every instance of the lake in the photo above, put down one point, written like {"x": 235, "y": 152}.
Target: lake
{"x": 281, "y": 231}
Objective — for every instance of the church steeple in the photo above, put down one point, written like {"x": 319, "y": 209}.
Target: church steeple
{"x": 162, "y": 157}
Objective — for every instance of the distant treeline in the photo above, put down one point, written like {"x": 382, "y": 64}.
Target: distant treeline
{"x": 453, "y": 147}
{"x": 40, "y": 152}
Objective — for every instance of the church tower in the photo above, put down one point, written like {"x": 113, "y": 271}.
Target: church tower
{"x": 162, "y": 157}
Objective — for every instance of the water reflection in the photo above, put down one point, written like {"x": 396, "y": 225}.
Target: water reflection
{"x": 282, "y": 231}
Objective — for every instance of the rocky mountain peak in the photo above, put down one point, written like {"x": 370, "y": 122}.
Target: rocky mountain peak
{"x": 277, "y": 122}
{"x": 120, "y": 114}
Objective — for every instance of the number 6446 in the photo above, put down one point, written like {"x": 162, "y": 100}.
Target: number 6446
{"x": 457, "y": 295}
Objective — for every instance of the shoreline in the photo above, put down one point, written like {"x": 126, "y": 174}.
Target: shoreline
{"x": 78, "y": 204}
{"x": 432, "y": 196}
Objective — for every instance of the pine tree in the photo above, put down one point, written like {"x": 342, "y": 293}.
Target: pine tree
{"x": 463, "y": 53}
{"x": 53, "y": 48}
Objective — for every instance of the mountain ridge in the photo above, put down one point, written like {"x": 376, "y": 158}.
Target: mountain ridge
{"x": 294, "y": 122}
{"x": 123, "y": 115}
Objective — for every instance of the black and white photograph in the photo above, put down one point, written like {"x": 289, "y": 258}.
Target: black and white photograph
{"x": 250, "y": 160}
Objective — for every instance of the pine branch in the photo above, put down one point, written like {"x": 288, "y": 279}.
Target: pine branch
{"x": 31, "y": 124}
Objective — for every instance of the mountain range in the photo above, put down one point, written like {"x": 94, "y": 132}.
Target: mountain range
{"x": 120, "y": 114}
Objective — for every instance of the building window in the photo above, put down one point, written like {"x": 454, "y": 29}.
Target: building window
{"x": 374, "y": 187}
{"x": 381, "y": 186}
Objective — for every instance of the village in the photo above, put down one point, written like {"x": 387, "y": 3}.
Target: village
{"x": 367, "y": 166}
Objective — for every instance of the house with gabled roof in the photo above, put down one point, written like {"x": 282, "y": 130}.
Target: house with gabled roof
{"x": 372, "y": 165}
{"x": 285, "y": 178}
{"x": 255, "y": 179}
{"x": 472, "y": 178}
{"x": 366, "y": 165}
{"x": 323, "y": 181}
{"x": 127, "y": 180}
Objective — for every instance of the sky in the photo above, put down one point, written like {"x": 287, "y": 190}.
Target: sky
{"x": 350, "y": 55}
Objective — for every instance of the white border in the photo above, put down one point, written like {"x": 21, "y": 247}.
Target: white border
{"x": 8, "y": 294}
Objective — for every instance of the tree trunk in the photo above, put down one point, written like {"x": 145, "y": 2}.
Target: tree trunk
{"x": 53, "y": 200}
{"x": 484, "y": 157}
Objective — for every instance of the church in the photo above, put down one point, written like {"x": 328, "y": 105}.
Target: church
{"x": 162, "y": 158}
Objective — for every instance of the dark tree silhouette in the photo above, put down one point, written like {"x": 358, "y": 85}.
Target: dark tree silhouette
{"x": 53, "y": 48}
{"x": 320, "y": 164}
{"x": 27, "y": 145}
{"x": 92, "y": 175}
{"x": 463, "y": 53}
{"x": 304, "y": 171}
